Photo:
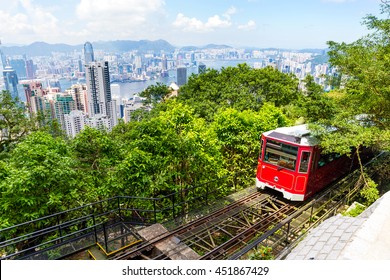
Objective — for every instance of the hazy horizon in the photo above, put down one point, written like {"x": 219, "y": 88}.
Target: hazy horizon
{"x": 253, "y": 23}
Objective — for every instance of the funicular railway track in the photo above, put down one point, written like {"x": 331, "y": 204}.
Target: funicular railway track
{"x": 258, "y": 219}
{"x": 224, "y": 231}
{"x": 202, "y": 222}
{"x": 231, "y": 232}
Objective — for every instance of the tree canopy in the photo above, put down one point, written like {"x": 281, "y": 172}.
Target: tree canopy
{"x": 14, "y": 124}
{"x": 364, "y": 115}
{"x": 240, "y": 87}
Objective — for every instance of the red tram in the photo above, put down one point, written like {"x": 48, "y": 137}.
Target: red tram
{"x": 291, "y": 162}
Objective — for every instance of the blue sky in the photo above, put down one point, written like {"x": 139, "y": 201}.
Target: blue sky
{"x": 255, "y": 23}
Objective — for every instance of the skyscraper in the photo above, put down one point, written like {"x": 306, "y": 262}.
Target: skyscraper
{"x": 98, "y": 88}
{"x": 64, "y": 104}
{"x": 19, "y": 65}
{"x": 30, "y": 71}
{"x": 181, "y": 75}
{"x": 100, "y": 102}
{"x": 88, "y": 53}
{"x": 11, "y": 81}
{"x": 164, "y": 64}
{"x": 3, "y": 61}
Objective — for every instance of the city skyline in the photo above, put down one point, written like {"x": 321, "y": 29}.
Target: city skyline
{"x": 252, "y": 23}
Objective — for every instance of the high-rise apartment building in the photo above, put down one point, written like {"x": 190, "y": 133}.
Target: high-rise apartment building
{"x": 181, "y": 75}
{"x": 88, "y": 53}
{"x": 99, "y": 122}
{"x": 34, "y": 93}
{"x": 30, "y": 71}
{"x": 98, "y": 88}
{"x": 100, "y": 102}
{"x": 132, "y": 105}
{"x": 64, "y": 104}
{"x": 79, "y": 95}
{"x": 75, "y": 121}
{"x": 39, "y": 102}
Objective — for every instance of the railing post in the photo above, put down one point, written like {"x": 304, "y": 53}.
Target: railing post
{"x": 207, "y": 193}
{"x": 95, "y": 229}
{"x": 105, "y": 237}
{"x": 59, "y": 226}
{"x": 154, "y": 210}
{"x": 119, "y": 209}
{"x": 173, "y": 206}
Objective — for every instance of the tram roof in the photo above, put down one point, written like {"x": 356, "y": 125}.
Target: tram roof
{"x": 298, "y": 134}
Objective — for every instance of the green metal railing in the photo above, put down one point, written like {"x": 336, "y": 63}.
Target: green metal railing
{"x": 66, "y": 232}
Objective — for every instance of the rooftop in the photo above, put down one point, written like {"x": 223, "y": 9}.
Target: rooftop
{"x": 299, "y": 134}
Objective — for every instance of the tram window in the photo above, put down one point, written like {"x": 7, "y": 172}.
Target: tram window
{"x": 261, "y": 149}
{"x": 304, "y": 165}
{"x": 280, "y": 154}
{"x": 327, "y": 158}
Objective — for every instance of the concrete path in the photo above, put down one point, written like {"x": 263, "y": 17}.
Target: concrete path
{"x": 366, "y": 237}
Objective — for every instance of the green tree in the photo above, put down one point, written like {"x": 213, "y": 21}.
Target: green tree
{"x": 364, "y": 66}
{"x": 14, "y": 124}
{"x": 239, "y": 135}
{"x": 167, "y": 153}
{"x": 314, "y": 104}
{"x": 240, "y": 87}
{"x": 96, "y": 153}
{"x": 37, "y": 179}
{"x": 155, "y": 93}
{"x": 363, "y": 117}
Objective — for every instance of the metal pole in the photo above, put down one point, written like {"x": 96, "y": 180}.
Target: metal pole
{"x": 105, "y": 237}
{"x": 94, "y": 227}
{"x": 119, "y": 209}
{"x": 59, "y": 226}
{"x": 154, "y": 210}
{"x": 173, "y": 206}
{"x": 207, "y": 193}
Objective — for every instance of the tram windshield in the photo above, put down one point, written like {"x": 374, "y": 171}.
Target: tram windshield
{"x": 280, "y": 154}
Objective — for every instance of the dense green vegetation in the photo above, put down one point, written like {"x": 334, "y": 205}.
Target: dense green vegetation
{"x": 174, "y": 146}
{"x": 211, "y": 130}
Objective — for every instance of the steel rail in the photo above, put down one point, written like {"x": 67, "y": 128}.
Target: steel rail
{"x": 145, "y": 246}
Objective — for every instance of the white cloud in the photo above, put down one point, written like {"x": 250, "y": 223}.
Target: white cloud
{"x": 93, "y": 9}
{"x": 189, "y": 24}
{"x": 231, "y": 11}
{"x": 251, "y": 25}
{"x": 217, "y": 22}
{"x": 25, "y": 20}
{"x": 196, "y": 25}
{"x": 120, "y": 17}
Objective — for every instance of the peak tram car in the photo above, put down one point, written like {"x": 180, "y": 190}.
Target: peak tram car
{"x": 290, "y": 161}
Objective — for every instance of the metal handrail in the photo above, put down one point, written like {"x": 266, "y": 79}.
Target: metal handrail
{"x": 175, "y": 200}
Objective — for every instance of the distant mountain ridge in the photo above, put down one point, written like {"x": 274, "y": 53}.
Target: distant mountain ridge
{"x": 120, "y": 46}
{"x": 209, "y": 46}
{"x": 44, "y": 49}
